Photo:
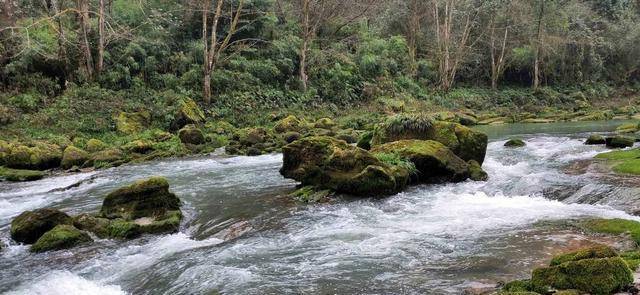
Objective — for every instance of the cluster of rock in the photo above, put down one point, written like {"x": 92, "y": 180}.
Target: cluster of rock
{"x": 404, "y": 149}
{"x": 146, "y": 206}
{"x": 616, "y": 141}
{"x": 596, "y": 270}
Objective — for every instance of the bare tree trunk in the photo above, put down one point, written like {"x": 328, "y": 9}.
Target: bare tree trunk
{"x": 497, "y": 59}
{"x": 413, "y": 32}
{"x": 306, "y": 37}
{"x": 100, "y": 63}
{"x": 83, "y": 8}
{"x": 536, "y": 65}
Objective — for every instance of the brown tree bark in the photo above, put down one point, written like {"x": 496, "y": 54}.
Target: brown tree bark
{"x": 497, "y": 55}
{"x": 101, "y": 32}
{"x": 538, "y": 50}
{"x": 83, "y": 9}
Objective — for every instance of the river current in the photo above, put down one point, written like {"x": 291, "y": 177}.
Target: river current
{"x": 241, "y": 235}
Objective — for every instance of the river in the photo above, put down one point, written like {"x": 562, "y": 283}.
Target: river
{"x": 242, "y": 236}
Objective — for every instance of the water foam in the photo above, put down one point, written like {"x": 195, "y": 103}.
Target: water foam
{"x": 66, "y": 283}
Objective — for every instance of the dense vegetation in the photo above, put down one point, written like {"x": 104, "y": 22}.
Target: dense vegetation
{"x": 69, "y": 68}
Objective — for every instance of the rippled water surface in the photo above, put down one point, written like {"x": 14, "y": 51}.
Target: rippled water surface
{"x": 241, "y": 236}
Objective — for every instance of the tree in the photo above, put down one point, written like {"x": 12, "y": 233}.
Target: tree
{"x": 538, "y": 45}
{"x": 101, "y": 33}
{"x": 214, "y": 46}
{"x": 83, "y": 19}
{"x": 454, "y": 20}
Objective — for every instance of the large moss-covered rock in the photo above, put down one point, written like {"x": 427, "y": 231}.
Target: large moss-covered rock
{"x": 20, "y": 174}
{"x": 476, "y": 173}
{"x": 596, "y": 271}
{"x": 433, "y": 160}
{"x": 190, "y": 134}
{"x": 97, "y": 225}
{"x": 251, "y": 136}
{"x": 29, "y": 226}
{"x": 73, "y": 156}
{"x": 38, "y": 156}
{"x": 324, "y": 123}
{"x": 289, "y": 124}
{"x": 130, "y": 123}
{"x": 95, "y": 145}
{"x": 106, "y": 158}
{"x": 466, "y": 143}
{"x": 619, "y": 142}
{"x": 595, "y": 139}
{"x": 63, "y": 236}
{"x": 144, "y": 198}
{"x": 329, "y": 163}
{"x": 188, "y": 112}
{"x": 140, "y": 146}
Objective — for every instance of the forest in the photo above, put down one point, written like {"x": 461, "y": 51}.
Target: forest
{"x": 232, "y": 57}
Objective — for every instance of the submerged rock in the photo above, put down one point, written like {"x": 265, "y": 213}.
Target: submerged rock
{"x": 476, "y": 173}
{"x": 63, "y": 236}
{"x": 329, "y": 163}
{"x": 514, "y": 143}
{"x": 619, "y": 142}
{"x": 73, "y": 156}
{"x": 310, "y": 194}
{"x": 597, "y": 270}
{"x": 466, "y": 143}
{"x": 595, "y": 139}
{"x": 434, "y": 161}
{"x": 144, "y": 198}
{"x": 29, "y": 226}
{"x": 20, "y": 174}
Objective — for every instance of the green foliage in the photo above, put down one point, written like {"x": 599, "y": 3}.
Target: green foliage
{"x": 393, "y": 159}
{"x": 614, "y": 226}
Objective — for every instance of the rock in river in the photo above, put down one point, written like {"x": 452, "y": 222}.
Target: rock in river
{"x": 29, "y": 226}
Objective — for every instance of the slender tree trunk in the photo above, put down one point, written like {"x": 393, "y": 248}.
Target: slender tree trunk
{"x": 206, "y": 83}
{"x": 413, "y": 32}
{"x": 536, "y": 65}
{"x": 497, "y": 59}
{"x": 306, "y": 36}
{"x": 83, "y": 7}
{"x": 100, "y": 63}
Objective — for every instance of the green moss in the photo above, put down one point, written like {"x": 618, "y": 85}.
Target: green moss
{"x": 595, "y": 139}
{"x": 168, "y": 223}
{"x": 20, "y": 174}
{"x": 139, "y": 146}
{"x": 95, "y": 145}
{"x": 130, "y": 123}
{"x": 60, "y": 237}
{"x": 519, "y": 287}
{"x": 627, "y": 128}
{"x": 188, "y": 113}
{"x": 619, "y": 141}
{"x": 600, "y": 251}
{"x": 632, "y": 258}
{"x": 98, "y": 226}
{"x": 39, "y": 156}
{"x": 144, "y": 198}
{"x": 628, "y": 167}
{"x": 515, "y": 142}
{"x": 220, "y": 127}
{"x": 73, "y": 156}
{"x": 396, "y": 127}
{"x": 107, "y": 158}
{"x": 290, "y": 123}
{"x": 122, "y": 229}
{"x": 190, "y": 134}
{"x": 393, "y": 159}
{"x": 310, "y": 194}
{"x": 620, "y": 155}
{"x": 365, "y": 140}
{"x": 614, "y": 226}
{"x": 596, "y": 276}
{"x": 476, "y": 173}
{"x": 30, "y": 225}
{"x": 324, "y": 123}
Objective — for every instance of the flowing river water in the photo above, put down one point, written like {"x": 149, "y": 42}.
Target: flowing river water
{"x": 242, "y": 236}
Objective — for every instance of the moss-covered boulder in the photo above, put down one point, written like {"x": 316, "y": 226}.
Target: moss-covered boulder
{"x": 144, "y": 198}
{"x": 628, "y": 128}
{"x": 123, "y": 229}
{"x": 324, "y": 123}
{"x": 131, "y": 123}
{"x": 95, "y": 145}
{"x": 139, "y": 146}
{"x": 63, "y": 236}
{"x": 476, "y": 173}
{"x": 95, "y": 224}
{"x": 188, "y": 112}
{"x": 166, "y": 223}
{"x": 251, "y": 136}
{"x": 515, "y": 143}
{"x": 364, "y": 142}
{"x": 329, "y": 163}
{"x": 37, "y": 156}
{"x": 73, "y": 156}
{"x": 106, "y": 158}
{"x": 596, "y": 270}
{"x": 20, "y": 174}
{"x": 598, "y": 251}
{"x": 291, "y": 136}
{"x": 595, "y": 139}
{"x": 434, "y": 162}
{"x": 619, "y": 141}
{"x": 348, "y": 135}
{"x": 289, "y": 124}
{"x": 29, "y": 226}
{"x": 220, "y": 128}
{"x": 190, "y": 134}
{"x": 466, "y": 143}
